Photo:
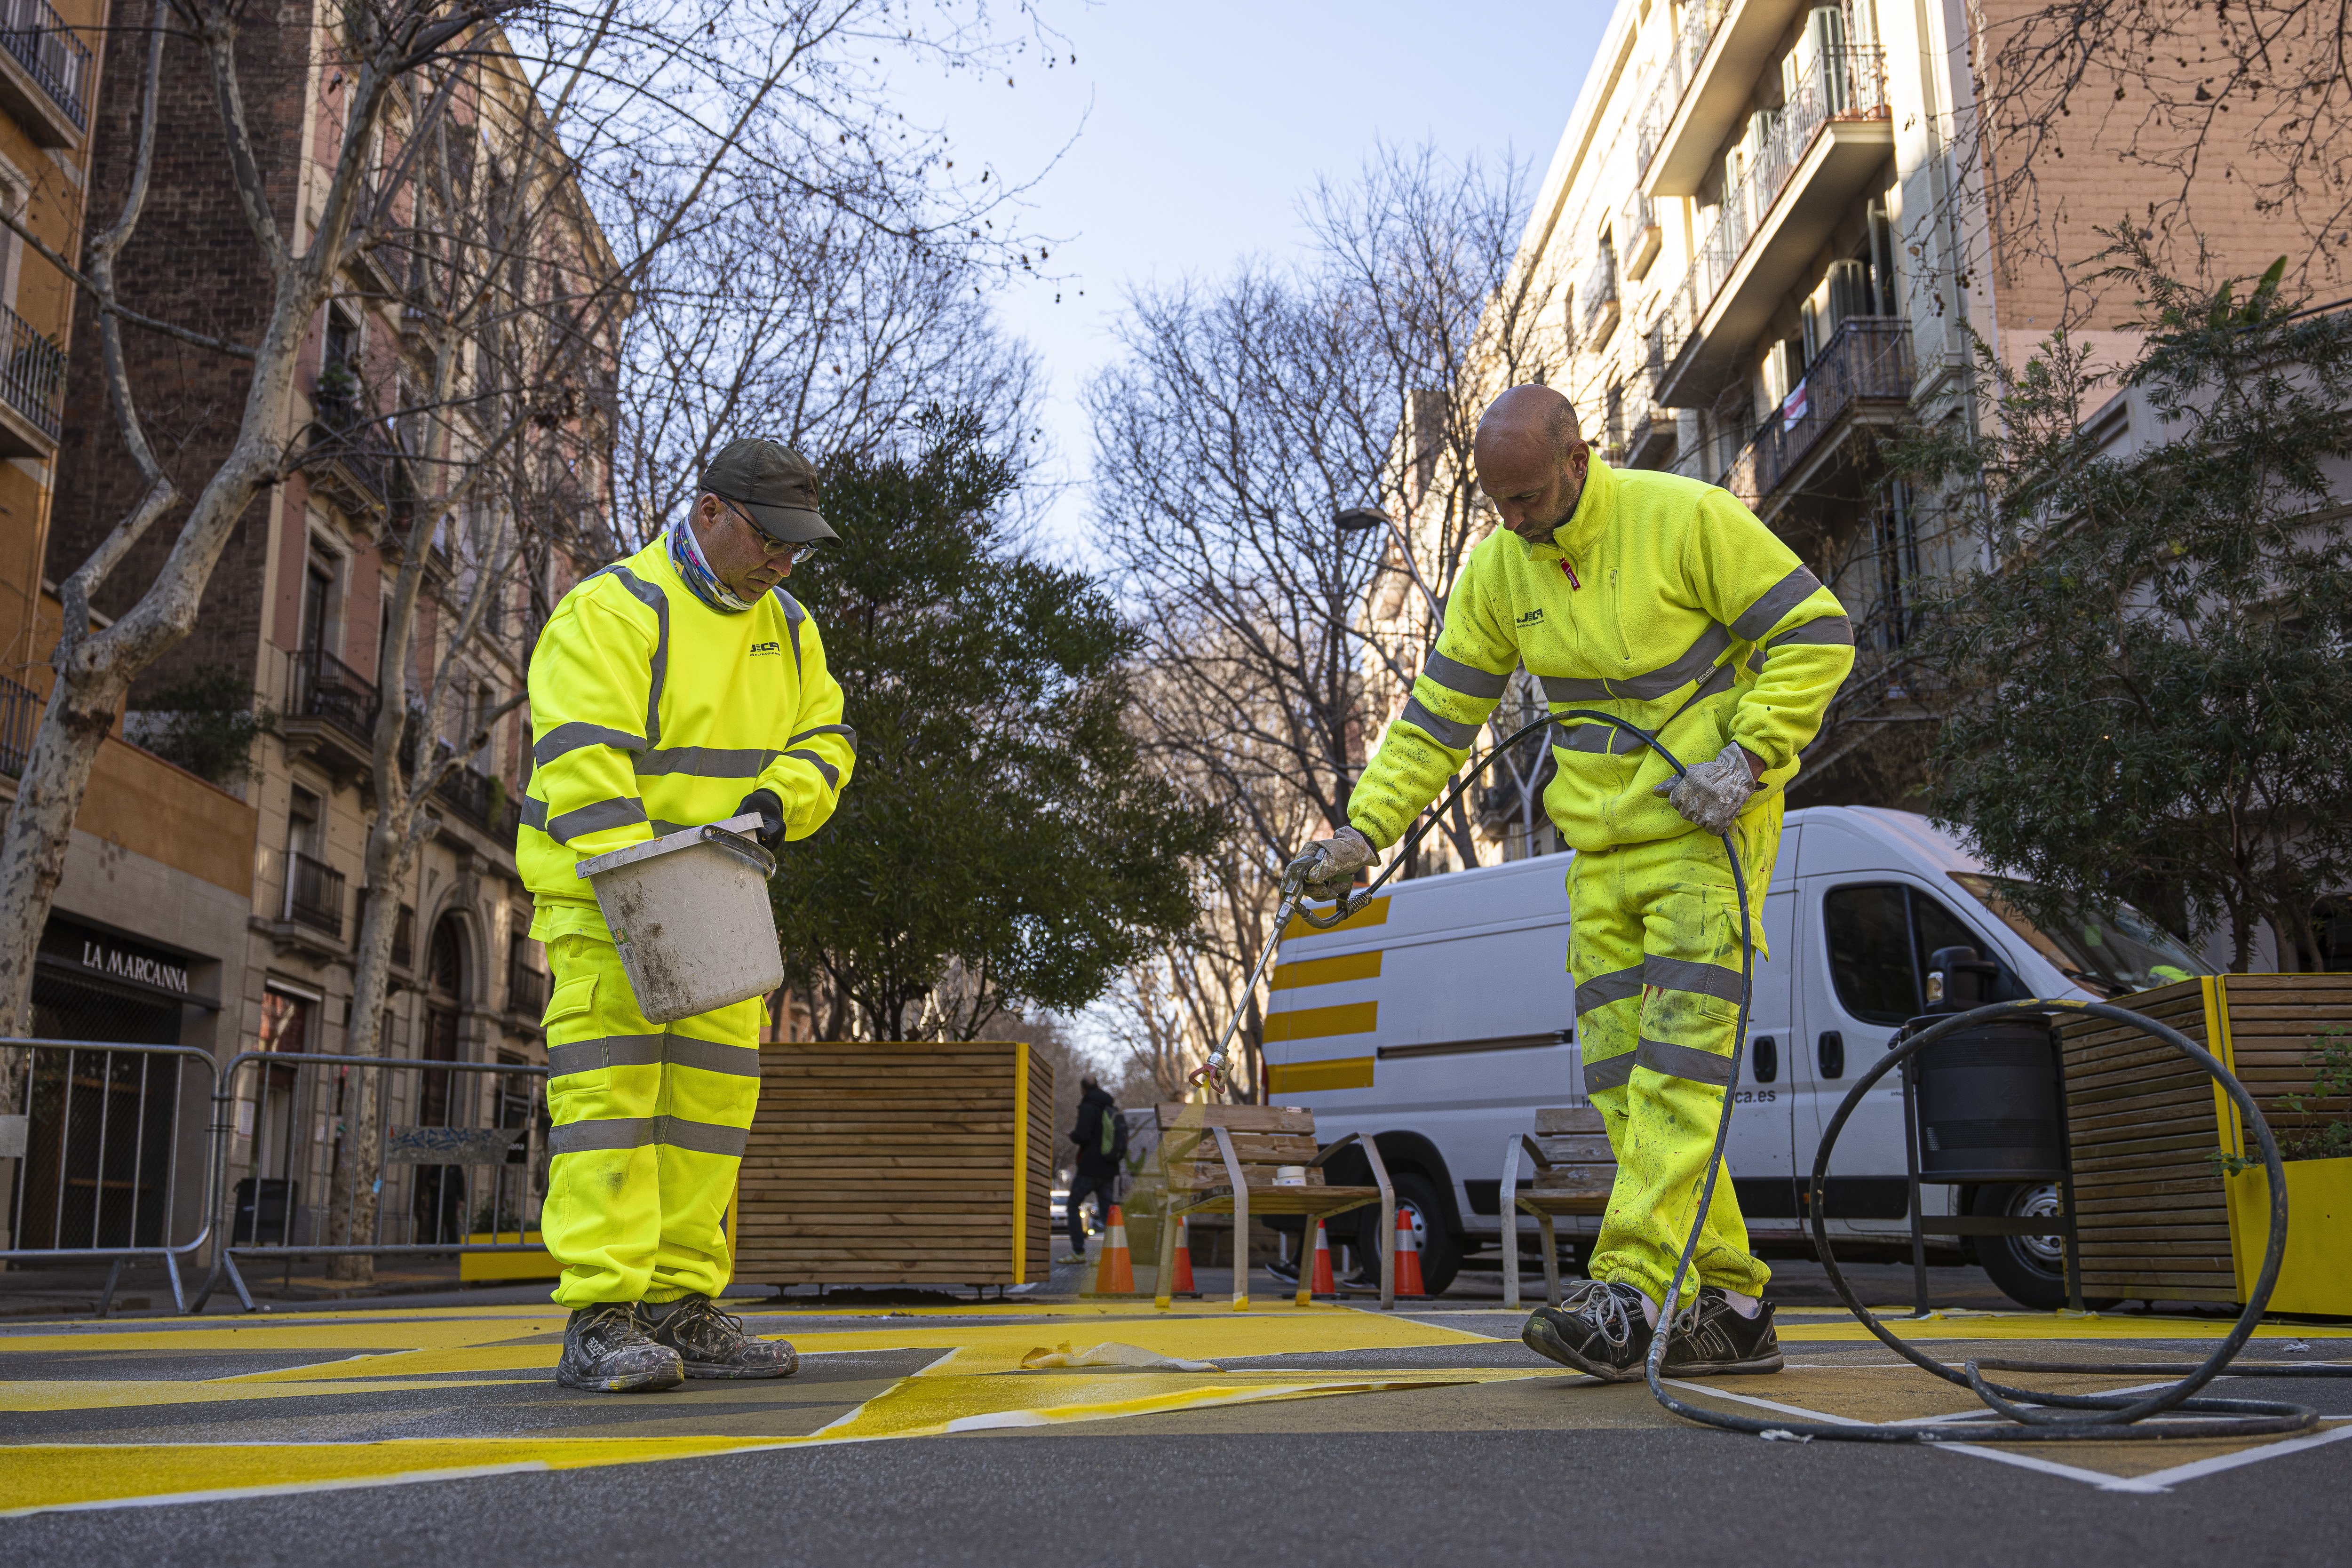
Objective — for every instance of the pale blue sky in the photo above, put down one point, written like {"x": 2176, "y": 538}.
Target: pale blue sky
{"x": 1197, "y": 124}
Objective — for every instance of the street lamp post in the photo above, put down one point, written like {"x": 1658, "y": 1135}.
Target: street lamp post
{"x": 1363, "y": 520}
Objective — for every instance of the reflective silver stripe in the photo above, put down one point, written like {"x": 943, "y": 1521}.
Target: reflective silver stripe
{"x": 1827, "y": 629}
{"x": 577, "y": 735}
{"x": 712, "y": 1056}
{"x": 1602, "y": 989}
{"x": 1682, "y": 974}
{"x": 1590, "y": 737}
{"x": 1683, "y": 1062}
{"x": 653, "y": 599}
{"x": 1447, "y": 732}
{"x": 794, "y": 617}
{"x": 612, "y": 1051}
{"x": 1695, "y": 661}
{"x": 533, "y": 813}
{"x": 1614, "y": 1072}
{"x": 661, "y": 827}
{"x": 708, "y": 762}
{"x": 842, "y": 729}
{"x": 1720, "y": 681}
{"x": 623, "y": 1132}
{"x": 831, "y": 775}
{"x": 1573, "y": 689}
{"x": 621, "y": 811}
{"x": 1777, "y": 601}
{"x": 1468, "y": 679}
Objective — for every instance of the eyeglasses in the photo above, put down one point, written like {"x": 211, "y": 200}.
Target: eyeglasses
{"x": 794, "y": 553}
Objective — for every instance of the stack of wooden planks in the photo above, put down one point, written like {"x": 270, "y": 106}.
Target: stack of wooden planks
{"x": 2144, "y": 1124}
{"x": 899, "y": 1163}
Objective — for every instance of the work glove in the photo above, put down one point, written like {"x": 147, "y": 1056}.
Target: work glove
{"x": 770, "y": 832}
{"x": 1711, "y": 794}
{"x": 1339, "y": 858}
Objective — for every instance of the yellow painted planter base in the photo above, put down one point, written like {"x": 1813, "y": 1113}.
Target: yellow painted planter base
{"x": 2315, "y": 1273}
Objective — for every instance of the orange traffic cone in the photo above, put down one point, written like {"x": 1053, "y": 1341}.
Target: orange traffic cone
{"x": 1323, "y": 1283}
{"x": 1182, "y": 1270}
{"x": 1408, "y": 1257}
{"x": 1114, "y": 1275}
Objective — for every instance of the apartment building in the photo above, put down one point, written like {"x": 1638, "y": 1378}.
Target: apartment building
{"x": 1766, "y": 237}
{"x": 299, "y": 610}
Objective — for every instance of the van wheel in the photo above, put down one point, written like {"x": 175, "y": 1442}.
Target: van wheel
{"x": 2030, "y": 1270}
{"x": 1441, "y": 1253}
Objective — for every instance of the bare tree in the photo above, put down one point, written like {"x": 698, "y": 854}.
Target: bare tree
{"x": 1245, "y": 416}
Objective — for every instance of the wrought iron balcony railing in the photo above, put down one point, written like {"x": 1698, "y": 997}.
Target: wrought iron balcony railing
{"x": 1867, "y": 359}
{"x": 1700, "y": 18}
{"x": 34, "y": 379}
{"x": 314, "y": 894}
{"x": 324, "y": 687}
{"x": 50, "y": 54}
{"x": 20, "y": 715}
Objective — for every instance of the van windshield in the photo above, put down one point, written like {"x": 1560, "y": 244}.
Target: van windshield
{"x": 2112, "y": 957}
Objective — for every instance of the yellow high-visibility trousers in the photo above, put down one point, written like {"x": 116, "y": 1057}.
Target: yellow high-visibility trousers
{"x": 1654, "y": 947}
{"x": 649, "y": 1125}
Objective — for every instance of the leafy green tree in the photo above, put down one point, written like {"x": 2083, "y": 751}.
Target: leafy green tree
{"x": 2147, "y": 688}
{"x": 1003, "y": 842}
{"x": 207, "y": 724}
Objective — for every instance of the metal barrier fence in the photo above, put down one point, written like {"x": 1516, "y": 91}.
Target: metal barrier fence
{"x": 280, "y": 1127}
{"x": 99, "y": 1174}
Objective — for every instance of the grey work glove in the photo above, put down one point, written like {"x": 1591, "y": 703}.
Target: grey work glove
{"x": 1711, "y": 794}
{"x": 1342, "y": 855}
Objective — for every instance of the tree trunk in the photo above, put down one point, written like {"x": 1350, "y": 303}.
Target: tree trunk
{"x": 358, "y": 1185}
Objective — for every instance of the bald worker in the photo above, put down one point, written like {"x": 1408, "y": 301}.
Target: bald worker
{"x": 1664, "y": 600}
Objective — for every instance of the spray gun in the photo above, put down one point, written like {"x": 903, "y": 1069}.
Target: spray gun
{"x": 1210, "y": 1076}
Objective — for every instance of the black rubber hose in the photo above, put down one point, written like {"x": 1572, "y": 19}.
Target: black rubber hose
{"x": 2031, "y": 1413}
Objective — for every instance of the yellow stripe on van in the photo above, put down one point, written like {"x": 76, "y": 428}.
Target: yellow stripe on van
{"x": 1306, "y": 1078}
{"x": 1320, "y": 1023}
{"x": 1374, "y": 913}
{"x": 1328, "y": 971}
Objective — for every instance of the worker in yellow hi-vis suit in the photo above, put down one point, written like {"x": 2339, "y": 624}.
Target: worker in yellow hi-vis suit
{"x": 1664, "y": 601}
{"x": 679, "y": 687}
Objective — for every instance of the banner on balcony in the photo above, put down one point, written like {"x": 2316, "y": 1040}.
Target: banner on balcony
{"x": 1793, "y": 408}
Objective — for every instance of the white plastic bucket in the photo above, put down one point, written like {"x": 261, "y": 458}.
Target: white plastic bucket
{"x": 689, "y": 912}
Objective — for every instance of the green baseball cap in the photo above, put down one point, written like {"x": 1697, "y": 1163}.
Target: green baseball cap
{"x": 773, "y": 483}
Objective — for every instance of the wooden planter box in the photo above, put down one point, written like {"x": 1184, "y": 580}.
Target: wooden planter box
{"x": 897, "y": 1163}
{"x": 2156, "y": 1220}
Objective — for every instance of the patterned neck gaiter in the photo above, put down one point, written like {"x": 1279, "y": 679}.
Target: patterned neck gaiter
{"x": 694, "y": 569}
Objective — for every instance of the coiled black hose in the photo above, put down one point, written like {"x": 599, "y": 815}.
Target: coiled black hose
{"x": 2031, "y": 1415}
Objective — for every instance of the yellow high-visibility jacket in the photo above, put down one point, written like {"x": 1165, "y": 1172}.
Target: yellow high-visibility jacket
{"x": 1661, "y": 599}
{"x": 651, "y": 712}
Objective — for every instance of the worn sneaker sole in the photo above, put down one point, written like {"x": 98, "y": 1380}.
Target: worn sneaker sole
{"x": 652, "y": 1381}
{"x": 719, "y": 1369}
{"x": 1537, "y": 1336}
{"x": 1769, "y": 1362}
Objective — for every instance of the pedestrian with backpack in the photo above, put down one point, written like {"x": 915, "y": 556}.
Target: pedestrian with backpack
{"x": 1101, "y": 1137}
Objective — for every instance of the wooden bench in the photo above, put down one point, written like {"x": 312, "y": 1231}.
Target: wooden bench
{"x": 1575, "y": 1168}
{"x": 1221, "y": 1159}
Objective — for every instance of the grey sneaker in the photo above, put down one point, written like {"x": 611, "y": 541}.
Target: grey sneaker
{"x": 713, "y": 1344}
{"x": 606, "y": 1349}
{"x": 1710, "y": 1338}
{"x": 1597, "y": 1328}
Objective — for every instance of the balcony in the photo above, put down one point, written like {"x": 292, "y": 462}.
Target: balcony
{"x": 1700, "y": 19}
{"x": 1724, "y": 47}
{"x": 32, "y": 390}
{"x": 20, "y": 715}
{"x": 1638, "y": 237}
{"x": 1641, "y": 435}
{"x": 1822, "y": 148}
{"x": 480, "y": 801}
{"x": 1598, "y": 297}
{"x": 354, "y": 459}
{"x": 526, "y": 989}
{"x": 314, "y": 895}
{"x": 330, "y": 713}
{"x": 44, "y": 74}
{"x": 1863, "y": 377}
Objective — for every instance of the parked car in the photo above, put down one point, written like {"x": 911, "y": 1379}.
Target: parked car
{"x": 1441, "y": 1018}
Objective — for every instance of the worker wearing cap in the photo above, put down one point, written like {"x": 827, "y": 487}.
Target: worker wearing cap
{"x": 679, "y": 687}
{"x": 1664, "y": 601}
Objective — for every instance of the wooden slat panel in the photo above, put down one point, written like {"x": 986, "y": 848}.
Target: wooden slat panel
{"x": 1240, "y": 1118}
{"x": 1569, "y": 1120}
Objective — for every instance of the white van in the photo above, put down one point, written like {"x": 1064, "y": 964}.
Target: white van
{"x": 1440, "y": 1017}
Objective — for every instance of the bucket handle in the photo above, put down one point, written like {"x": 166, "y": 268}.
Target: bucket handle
{"x": 748, "y": 851}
